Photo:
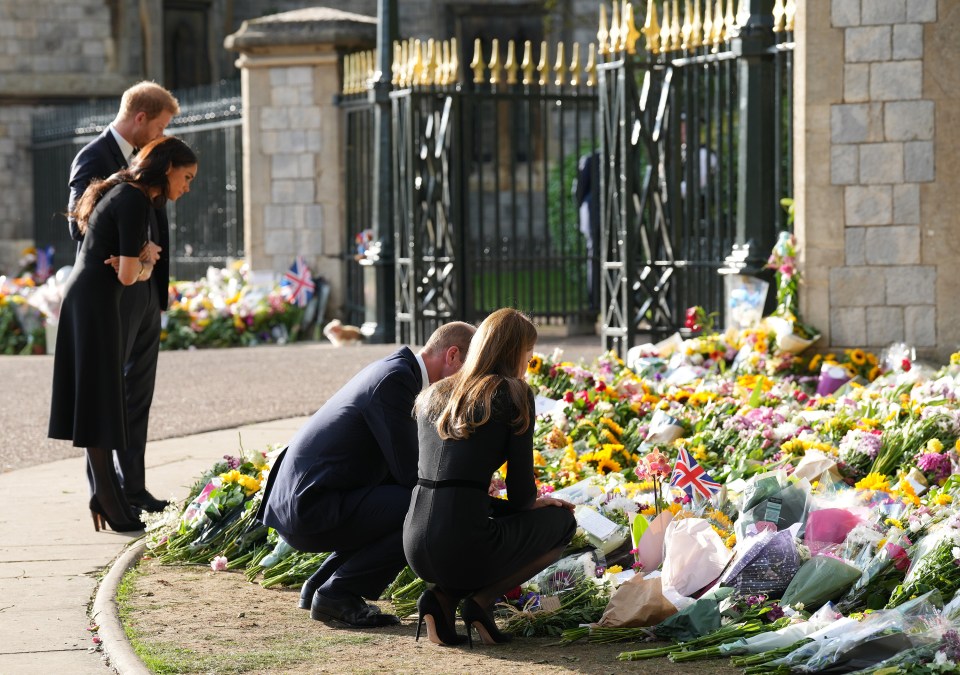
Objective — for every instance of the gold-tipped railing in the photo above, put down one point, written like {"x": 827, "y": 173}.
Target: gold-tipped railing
{"x": 680, "y": 25}
{"x": 669, "y": 26}
{"x": 358, "y": 69}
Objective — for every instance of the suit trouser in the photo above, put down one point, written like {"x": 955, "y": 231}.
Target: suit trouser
{"x": 140, "y": 323}
{"x": 367, "y": 545}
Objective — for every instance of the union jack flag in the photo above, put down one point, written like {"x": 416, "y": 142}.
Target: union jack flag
{"x": 690, "y": 476}
{"x": 297, "y": 285}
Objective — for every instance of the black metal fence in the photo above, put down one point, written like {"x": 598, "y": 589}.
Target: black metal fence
{"x": 672, "y": 177}
{"x": 358, "y": 162}
{"x": 206, "y": 227}
{"x": 486, "y": 214}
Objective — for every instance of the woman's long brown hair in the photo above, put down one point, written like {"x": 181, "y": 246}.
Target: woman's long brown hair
{"x": 462, "y": 402}
{"x": 149, "y": 169}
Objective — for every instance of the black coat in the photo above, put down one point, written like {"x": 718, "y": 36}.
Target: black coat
{"x": 364, "y": 436}
{"x": 102, "y": 158}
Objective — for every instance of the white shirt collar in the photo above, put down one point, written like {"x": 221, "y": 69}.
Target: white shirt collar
{"x": 423, "y": 372}
{"x": 125, "y": 147}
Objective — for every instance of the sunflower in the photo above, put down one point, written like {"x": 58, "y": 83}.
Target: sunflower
{"x": 858, "y": 356}
{"x": 534, "y": 365}
{"x": 874, "y": 373}
{"x": 611, "y": 425}
{"x": 815, "y": 362}
{"x": 608, "y": 436}
{"x": 605, "y": 465}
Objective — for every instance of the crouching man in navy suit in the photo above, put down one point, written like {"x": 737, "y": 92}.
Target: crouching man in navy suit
{"x": 344, "y": 482}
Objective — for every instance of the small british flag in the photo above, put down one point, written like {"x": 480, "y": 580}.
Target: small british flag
{"x": 690, "y": 476}
{"x": 297, "y": 285}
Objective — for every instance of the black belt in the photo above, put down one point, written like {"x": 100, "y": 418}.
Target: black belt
{"x": 452, "y": 482}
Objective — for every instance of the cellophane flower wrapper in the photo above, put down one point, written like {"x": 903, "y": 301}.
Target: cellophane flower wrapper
{"x": 564, "y": 574}
{"x": 766, "y": 565}
{"x": 879, "y": 636}
{"x": 694, "y": 557}
{"x": 785, "y": 507}
{"x": 783, "y": 637}
{"x": 826, "y": 527}
{"x": 696, "y": 620}
{"x": 820, "y": 579}
{"x": 934, "y": 564}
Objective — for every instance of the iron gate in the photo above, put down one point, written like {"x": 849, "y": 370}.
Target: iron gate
{"x": 485, "y": 215}
{"x": 673, "y": 166}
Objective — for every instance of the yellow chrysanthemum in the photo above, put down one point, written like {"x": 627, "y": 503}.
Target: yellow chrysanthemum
{"x": 700, "y": 453}
{"x": 614, "y": 569}
{"x": 955, "y": 359}
{"x": 893, "y": 522}
{"x": 907, "y": 493}
{"x": 935, "y": 446}
{"x": 858, "y": 356}
{"x": 815, "y": 362}
{"x": 231, "y": 476}
{"x": 534, "y": 365}
{"x": 249, "y": 484}
{"x": 942, "y": 498}
{"x": 731, "y": 541}
{"x": 873, "y": 481}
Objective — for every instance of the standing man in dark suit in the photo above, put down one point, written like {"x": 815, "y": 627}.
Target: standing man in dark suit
{"x": 344, "y": 482}
{"x": 586, "y": 191}
{"x": 146, "y": 109}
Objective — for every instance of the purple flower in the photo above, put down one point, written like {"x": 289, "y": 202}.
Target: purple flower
{"x": 951, "y": 644}
{"x": 600, "y": 571}
{"x": 775, "y": 612}
{"x": 232, "y": 462}
{"x": 936, "y": 464}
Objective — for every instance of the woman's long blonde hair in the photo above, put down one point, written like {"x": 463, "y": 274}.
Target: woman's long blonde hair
{"x": 462, "y": 402}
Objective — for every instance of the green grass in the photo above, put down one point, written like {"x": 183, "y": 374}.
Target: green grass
{"x": 268, "y": 651}
{"x": 534, "y": 291}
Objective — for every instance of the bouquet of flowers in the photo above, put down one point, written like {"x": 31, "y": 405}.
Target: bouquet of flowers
{"x": 792, "y": 334}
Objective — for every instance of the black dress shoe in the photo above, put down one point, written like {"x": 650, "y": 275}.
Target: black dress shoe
{"x": 146, "y": 501}
{"x": 349, "y": 612}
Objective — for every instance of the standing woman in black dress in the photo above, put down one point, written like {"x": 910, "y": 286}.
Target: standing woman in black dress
{"x": 456, "y": 537}
{"x": 87, "y": 405}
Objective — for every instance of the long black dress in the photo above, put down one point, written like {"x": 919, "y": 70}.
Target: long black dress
{"x": 456, "y": 535}
{"x": 87, "y": 405}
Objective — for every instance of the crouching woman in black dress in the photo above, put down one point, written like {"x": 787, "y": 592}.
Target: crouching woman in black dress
{"x": 457, "y": 538}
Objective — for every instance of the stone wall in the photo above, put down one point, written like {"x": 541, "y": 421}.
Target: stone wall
{"x": 866, "y": 217}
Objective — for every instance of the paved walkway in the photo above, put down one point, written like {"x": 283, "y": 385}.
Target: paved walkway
{"x": 50, "y": 555}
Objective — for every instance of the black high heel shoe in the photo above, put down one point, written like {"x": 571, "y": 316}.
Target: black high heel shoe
{"x": 474, "y": 616}
{"x": 101, "y": 519}
{"x": 440, "y": 629}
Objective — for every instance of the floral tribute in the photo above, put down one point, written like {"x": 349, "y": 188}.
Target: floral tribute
{"x": 223, "y": 309}
{"x": 834, "y": 539}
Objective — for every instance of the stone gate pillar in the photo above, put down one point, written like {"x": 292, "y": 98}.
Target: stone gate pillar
{"x": 877, "y": 119}
{"x": 292, "y": 140}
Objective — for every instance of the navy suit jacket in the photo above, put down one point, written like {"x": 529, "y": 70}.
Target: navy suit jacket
{"x": 102, "y": 158}
{"x": 364, "y": 436}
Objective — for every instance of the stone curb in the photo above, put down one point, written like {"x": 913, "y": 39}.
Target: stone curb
{"x": 115, "y": 645}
